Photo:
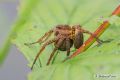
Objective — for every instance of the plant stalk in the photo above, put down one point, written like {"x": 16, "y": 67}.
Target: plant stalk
{"x": 97, "y": 33}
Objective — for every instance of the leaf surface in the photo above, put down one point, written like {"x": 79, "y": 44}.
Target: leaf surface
{"x": 39, "y": 16}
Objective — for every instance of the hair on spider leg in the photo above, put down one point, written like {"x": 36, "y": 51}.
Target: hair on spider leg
{"x": 103, "y": 42}
{"x": 54, "y": 57}
{"x": 53, "y": 60}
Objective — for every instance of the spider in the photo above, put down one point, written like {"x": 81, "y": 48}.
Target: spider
{"x": 65, "y": 37}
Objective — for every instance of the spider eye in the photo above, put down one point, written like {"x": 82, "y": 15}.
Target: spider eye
{"x": 59, "y": 26}
{"x": 56, "y": 33}
{"x": 76, "y": 26}
{"x": 66, "y": 25}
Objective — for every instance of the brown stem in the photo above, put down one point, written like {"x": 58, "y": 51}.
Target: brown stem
{"x": 97, "y": 33}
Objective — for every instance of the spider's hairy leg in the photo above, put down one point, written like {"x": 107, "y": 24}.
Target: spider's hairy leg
{"x": 43, "y": 38}
{"x": 90, "y": 33}
{"x": 97, "y": 39}
{"x": 54, "y": 57}
{"x": 59, "y": 43}
{"x": 68, "y": 46}
{"x": 51, "y": 55}
{"x": 40, "y": 51}
{"x": 78, "y": 27}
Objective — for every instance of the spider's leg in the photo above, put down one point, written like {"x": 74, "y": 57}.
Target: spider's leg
{"x": 51, "y": 55}
{"x": 54, "y": 57}
{"x": 59, "y": 43}
{"x": 42, "y": 39}
{"x": 68, "y": 46}
{"x": 90, "y": 33}
{"x": 68, "y": 52}
{"x": 78, "y": 27}
{"x": 97, "y": 39}
{"x": 46, "y": 37}
{"x": 43, "y": 47}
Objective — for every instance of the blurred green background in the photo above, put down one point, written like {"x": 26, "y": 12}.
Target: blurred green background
{"x": 15, "y": 65}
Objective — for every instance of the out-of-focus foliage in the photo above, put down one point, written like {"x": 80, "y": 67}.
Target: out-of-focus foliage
{"x": 5, "y": 48}
{"x": 3, "y": 21}
{"x": 38, "y": 16}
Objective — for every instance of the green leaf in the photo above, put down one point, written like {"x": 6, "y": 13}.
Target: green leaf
{"x": 103, "y": 60}
{"x": 39, "y": 16}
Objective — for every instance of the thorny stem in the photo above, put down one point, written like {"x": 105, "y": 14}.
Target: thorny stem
{"x": 97, "y": 33}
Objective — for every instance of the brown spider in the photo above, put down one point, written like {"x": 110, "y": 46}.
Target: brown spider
{"x": 64, "y": 37}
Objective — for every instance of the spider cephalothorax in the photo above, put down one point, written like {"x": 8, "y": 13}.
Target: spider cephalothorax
{"x": 65, "y": 37}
